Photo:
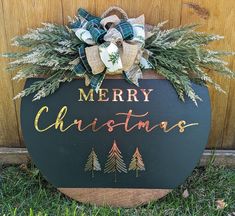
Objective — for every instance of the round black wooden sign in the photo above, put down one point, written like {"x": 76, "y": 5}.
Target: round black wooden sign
{"x": 122, "y": 137}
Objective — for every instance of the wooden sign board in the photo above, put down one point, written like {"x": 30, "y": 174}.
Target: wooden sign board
{"x": 123, "y": 146}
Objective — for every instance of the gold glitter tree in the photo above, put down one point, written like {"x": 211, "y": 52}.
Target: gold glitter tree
{"x": 137, "y": 163}
{"x": 115, "y": 161}
{"x": 92, "y": 163}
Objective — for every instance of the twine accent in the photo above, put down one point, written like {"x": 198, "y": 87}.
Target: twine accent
{"x": 115, "y": 8}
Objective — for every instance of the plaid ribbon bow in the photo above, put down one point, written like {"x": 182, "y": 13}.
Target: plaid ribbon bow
{"x": 89, "y": 29}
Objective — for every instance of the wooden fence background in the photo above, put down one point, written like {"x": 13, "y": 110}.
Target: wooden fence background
{"x": 216, "y": 16}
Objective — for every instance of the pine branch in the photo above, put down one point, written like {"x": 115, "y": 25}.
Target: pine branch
{"x": 51, "y": 49}
{"x": 50, "y": 33}
{"x": 180, "y": 56}
{"x": 46, "y": 86}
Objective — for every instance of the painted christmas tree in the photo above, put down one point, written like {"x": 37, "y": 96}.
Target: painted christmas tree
{"x": 92, "y": 163}
{"x": 115, "y": 162}
{"x": 137, "y": 163}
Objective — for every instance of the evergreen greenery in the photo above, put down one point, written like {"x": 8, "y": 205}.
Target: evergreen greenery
{"x": 179, "y": 54}
{"x": 51, "y": 53}
{"x": 114, "y": 57}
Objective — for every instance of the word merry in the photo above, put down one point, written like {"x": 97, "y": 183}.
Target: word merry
{"x": 115, "y": 95}
{"x": 109, "y": 125}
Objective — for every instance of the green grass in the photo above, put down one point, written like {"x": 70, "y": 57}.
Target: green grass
{"x": 25, "y": 192}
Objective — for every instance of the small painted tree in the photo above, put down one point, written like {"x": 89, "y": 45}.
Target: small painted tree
{"x": 115, "y": 162}
{"x": 92, "y": 163}
{"x": 137, "y": 163}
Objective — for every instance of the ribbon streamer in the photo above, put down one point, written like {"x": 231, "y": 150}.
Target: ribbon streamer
{"x": 134, "y": 74}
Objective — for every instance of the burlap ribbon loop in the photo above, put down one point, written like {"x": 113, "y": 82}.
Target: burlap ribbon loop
{"x": 128, "y": 55}
{"x": 109, "y": 22}
{"x": 113, "y": 35}
{"x": 93, "y": 57}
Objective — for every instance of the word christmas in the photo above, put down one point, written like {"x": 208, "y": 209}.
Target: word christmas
{"x": 109, "y": 125}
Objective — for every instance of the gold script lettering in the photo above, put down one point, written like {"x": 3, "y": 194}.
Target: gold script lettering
{"x": 43, "y": 109}
{"x": 59, "y": 120}
{"x": 110, "y": 124}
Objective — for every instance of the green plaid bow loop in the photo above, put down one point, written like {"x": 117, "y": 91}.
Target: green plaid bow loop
{"x": 97, "y": 34}
{"x": 125, "y": 29}
{"x": 79, "y": 69}
{"x": 96, "y": 80}
{"x": 83, "y": 58}
{"x": 85, "y": 15}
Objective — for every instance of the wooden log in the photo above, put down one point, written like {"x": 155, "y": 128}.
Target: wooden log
{"x": 14, "y": 156}
{"x": 218, "y": 158}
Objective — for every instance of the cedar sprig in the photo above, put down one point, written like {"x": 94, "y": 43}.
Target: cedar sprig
{"x": 49, "y": 52}
{"x": 180, "y": 55}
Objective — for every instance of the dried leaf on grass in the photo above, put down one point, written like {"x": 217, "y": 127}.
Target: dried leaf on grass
{"x": 185, "y": 194}
{"x": 220, "y": 204}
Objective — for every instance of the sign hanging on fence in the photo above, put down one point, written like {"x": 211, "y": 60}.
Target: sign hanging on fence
{"x": 120, "y": 137}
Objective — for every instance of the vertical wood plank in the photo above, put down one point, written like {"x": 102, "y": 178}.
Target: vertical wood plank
{"x": 27, "y": 14}
{"x": 102, "y": 6}
{"x": 215, "y": 17}
{"x": 154, "y": 10}
{"x": 229, "y": 126}
{"x": 70, "y": 7}
{"x": 9, "y": 134}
